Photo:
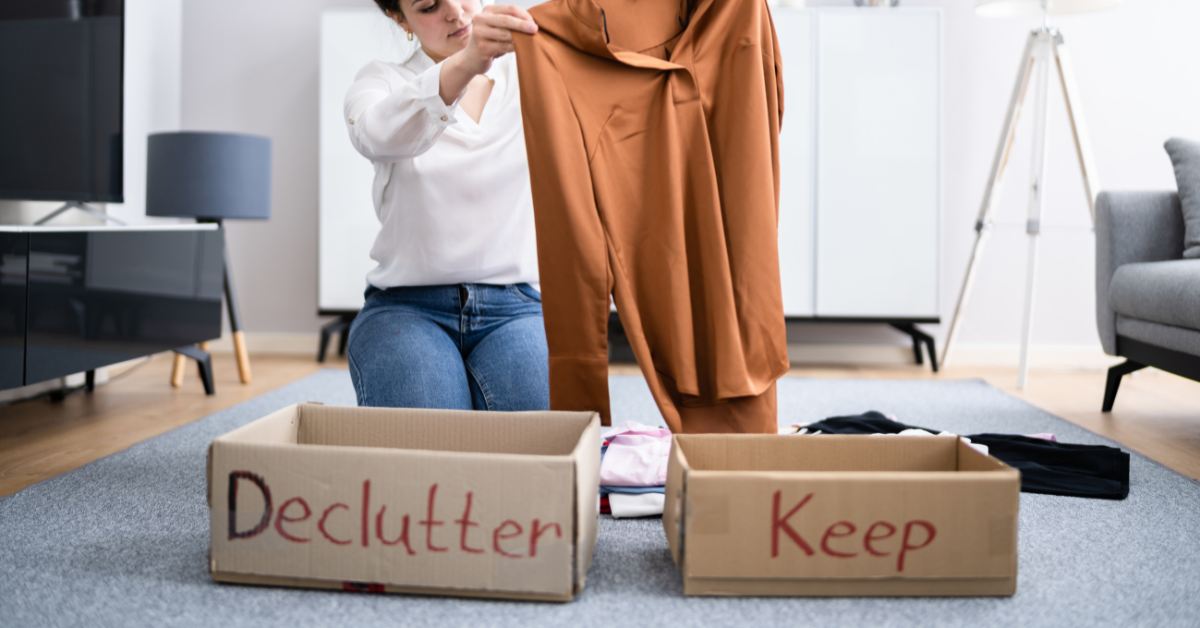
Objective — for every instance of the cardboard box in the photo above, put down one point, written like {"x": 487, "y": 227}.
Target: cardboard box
{"x": 840, "y": 516}
{"x": 481, "y": 504}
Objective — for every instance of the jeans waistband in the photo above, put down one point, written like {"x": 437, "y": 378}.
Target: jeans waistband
{"x": 454, "y": 295}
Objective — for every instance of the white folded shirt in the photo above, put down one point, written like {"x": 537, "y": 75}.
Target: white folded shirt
{"x": 624, "y": 505}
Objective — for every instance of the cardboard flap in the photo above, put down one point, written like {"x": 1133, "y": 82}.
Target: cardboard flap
{"x": 538, "y": 433}
{"x": 971, "y": 460}
{"x": 208, "y": 454}
{"x": 587, "y": 499}
{"x": 672, "y": 518}
{"x": 768, "y": 452}
{"x": 279, "y": 427}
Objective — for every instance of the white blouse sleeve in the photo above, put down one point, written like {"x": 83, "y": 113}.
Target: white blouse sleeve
{"x": 387, "y": 125}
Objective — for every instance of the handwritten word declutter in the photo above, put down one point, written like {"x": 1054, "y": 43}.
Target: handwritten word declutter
{"x": 343, "y": 525}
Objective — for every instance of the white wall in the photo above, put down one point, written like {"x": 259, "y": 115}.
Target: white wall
{"x": 153, "y": 84}
{"x": 252, "y": 67}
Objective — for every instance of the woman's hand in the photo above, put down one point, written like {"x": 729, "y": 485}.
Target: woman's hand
{"x": 491, "y": 37}
{"x": 491, "y": 34}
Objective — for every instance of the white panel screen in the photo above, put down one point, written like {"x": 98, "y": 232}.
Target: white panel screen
{"x": 878, "y": 162}
{"x": 794, "y": 27}
{"x": 346, "y": 219}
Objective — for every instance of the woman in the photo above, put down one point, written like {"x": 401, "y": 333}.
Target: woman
{"x": 452, "y": 317}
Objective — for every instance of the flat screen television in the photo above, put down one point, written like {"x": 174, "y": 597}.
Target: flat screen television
{"x": 61, "y": 74}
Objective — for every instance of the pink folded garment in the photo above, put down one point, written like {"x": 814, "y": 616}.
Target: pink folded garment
{"x": 637, "y": 456}
{"x": 1043, "y": 436}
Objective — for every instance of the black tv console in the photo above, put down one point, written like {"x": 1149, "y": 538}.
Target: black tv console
{"x": 73, "y": 299}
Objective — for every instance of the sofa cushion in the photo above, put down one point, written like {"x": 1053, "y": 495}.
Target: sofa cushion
{"x": 1185, "y": 157}
{"x": 1159, "y": 292}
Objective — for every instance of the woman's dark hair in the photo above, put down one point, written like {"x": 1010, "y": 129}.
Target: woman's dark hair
{"x": 390, "y": 7}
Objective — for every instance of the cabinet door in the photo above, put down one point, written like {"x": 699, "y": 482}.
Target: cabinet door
{"x": 14, "y": 270}
{"x": 794, "y": 28}
{"x": 103, "y": 296}
{"x": 878, "y": 162}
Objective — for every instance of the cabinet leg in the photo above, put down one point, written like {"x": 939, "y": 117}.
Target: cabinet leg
{"x": 918, "y": 338}
{"x": 341, "y": 327}
{"x": 203, "y": 363}
{"x": 343, "y": 337}
{"x": 177, "y": 370}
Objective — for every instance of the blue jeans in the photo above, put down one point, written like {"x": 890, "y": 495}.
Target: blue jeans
{"x": 468, "y": 346}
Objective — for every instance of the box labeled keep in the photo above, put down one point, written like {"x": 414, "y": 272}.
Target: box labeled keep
{"x": 832, "y": 515}
{"x": 480, "y": 504}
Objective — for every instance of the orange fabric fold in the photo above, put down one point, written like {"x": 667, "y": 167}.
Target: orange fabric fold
{"x": 652, "y": 134}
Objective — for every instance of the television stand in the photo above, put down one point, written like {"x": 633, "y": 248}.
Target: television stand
{"x": 83, "y": 207}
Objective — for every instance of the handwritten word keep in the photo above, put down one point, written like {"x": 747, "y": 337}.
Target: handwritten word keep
{"x": 872, "y": 539}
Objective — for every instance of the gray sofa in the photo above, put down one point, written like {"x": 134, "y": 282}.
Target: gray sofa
{"x": 1147, "y": 295}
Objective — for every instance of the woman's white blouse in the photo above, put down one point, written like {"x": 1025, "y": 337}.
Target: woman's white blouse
{"x": 452, "y": 195}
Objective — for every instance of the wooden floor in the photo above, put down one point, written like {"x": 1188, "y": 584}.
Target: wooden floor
{"x": 1156, "y": 414}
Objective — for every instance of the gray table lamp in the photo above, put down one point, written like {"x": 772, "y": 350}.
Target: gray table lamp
{"x": 1045, "y": 52}
{"x": 211, "y": 177}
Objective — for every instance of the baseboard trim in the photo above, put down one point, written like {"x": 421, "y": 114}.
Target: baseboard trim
{"x": 1043, "y": 356}
{"x": 819, "y": 353}
{"x": 271, "y": 343}
{"x": 33, "y": 390}
{"x": 1085, "y": 357}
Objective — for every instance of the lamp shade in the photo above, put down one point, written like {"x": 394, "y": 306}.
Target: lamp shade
{"x": 1036, "y": 8}
{"x": 208, "y": 175}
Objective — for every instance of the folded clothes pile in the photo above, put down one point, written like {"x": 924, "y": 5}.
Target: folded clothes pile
{"x": 1047, "y": 466}
{"x": 633, "y": 470}
{"x": 634, "y": 457}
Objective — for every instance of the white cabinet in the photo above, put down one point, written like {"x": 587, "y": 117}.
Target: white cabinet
{"x": 860, "y": 158}
{"x": 795, "y": 29}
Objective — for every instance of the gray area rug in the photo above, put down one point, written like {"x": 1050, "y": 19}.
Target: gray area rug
{"x": 123, "y": 541}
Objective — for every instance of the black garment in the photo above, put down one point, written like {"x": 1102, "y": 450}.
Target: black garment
{"x": 1046, "y": 467}
{"x": 1060, "y": 468}
{"x": 868, "y": 423}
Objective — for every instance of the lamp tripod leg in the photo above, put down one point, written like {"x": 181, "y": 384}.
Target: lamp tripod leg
{"x": 1037, "y": 177}
{"x": 235, "y": 321}
{"x": 991, "y": 195}
{"x": 1083, "y": 144}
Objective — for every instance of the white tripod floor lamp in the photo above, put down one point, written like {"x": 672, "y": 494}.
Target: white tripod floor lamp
{"x": 1044, "y": 46}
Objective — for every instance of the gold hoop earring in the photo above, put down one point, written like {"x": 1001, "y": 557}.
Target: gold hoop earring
{"x": 410, "y": 36}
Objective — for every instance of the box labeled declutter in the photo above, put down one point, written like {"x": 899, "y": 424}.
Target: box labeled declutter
{"x": 485, "y": 504}
{"x": 840, "y": 516}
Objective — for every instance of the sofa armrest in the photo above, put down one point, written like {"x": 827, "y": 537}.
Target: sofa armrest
{"x": 1132, "y": 227}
